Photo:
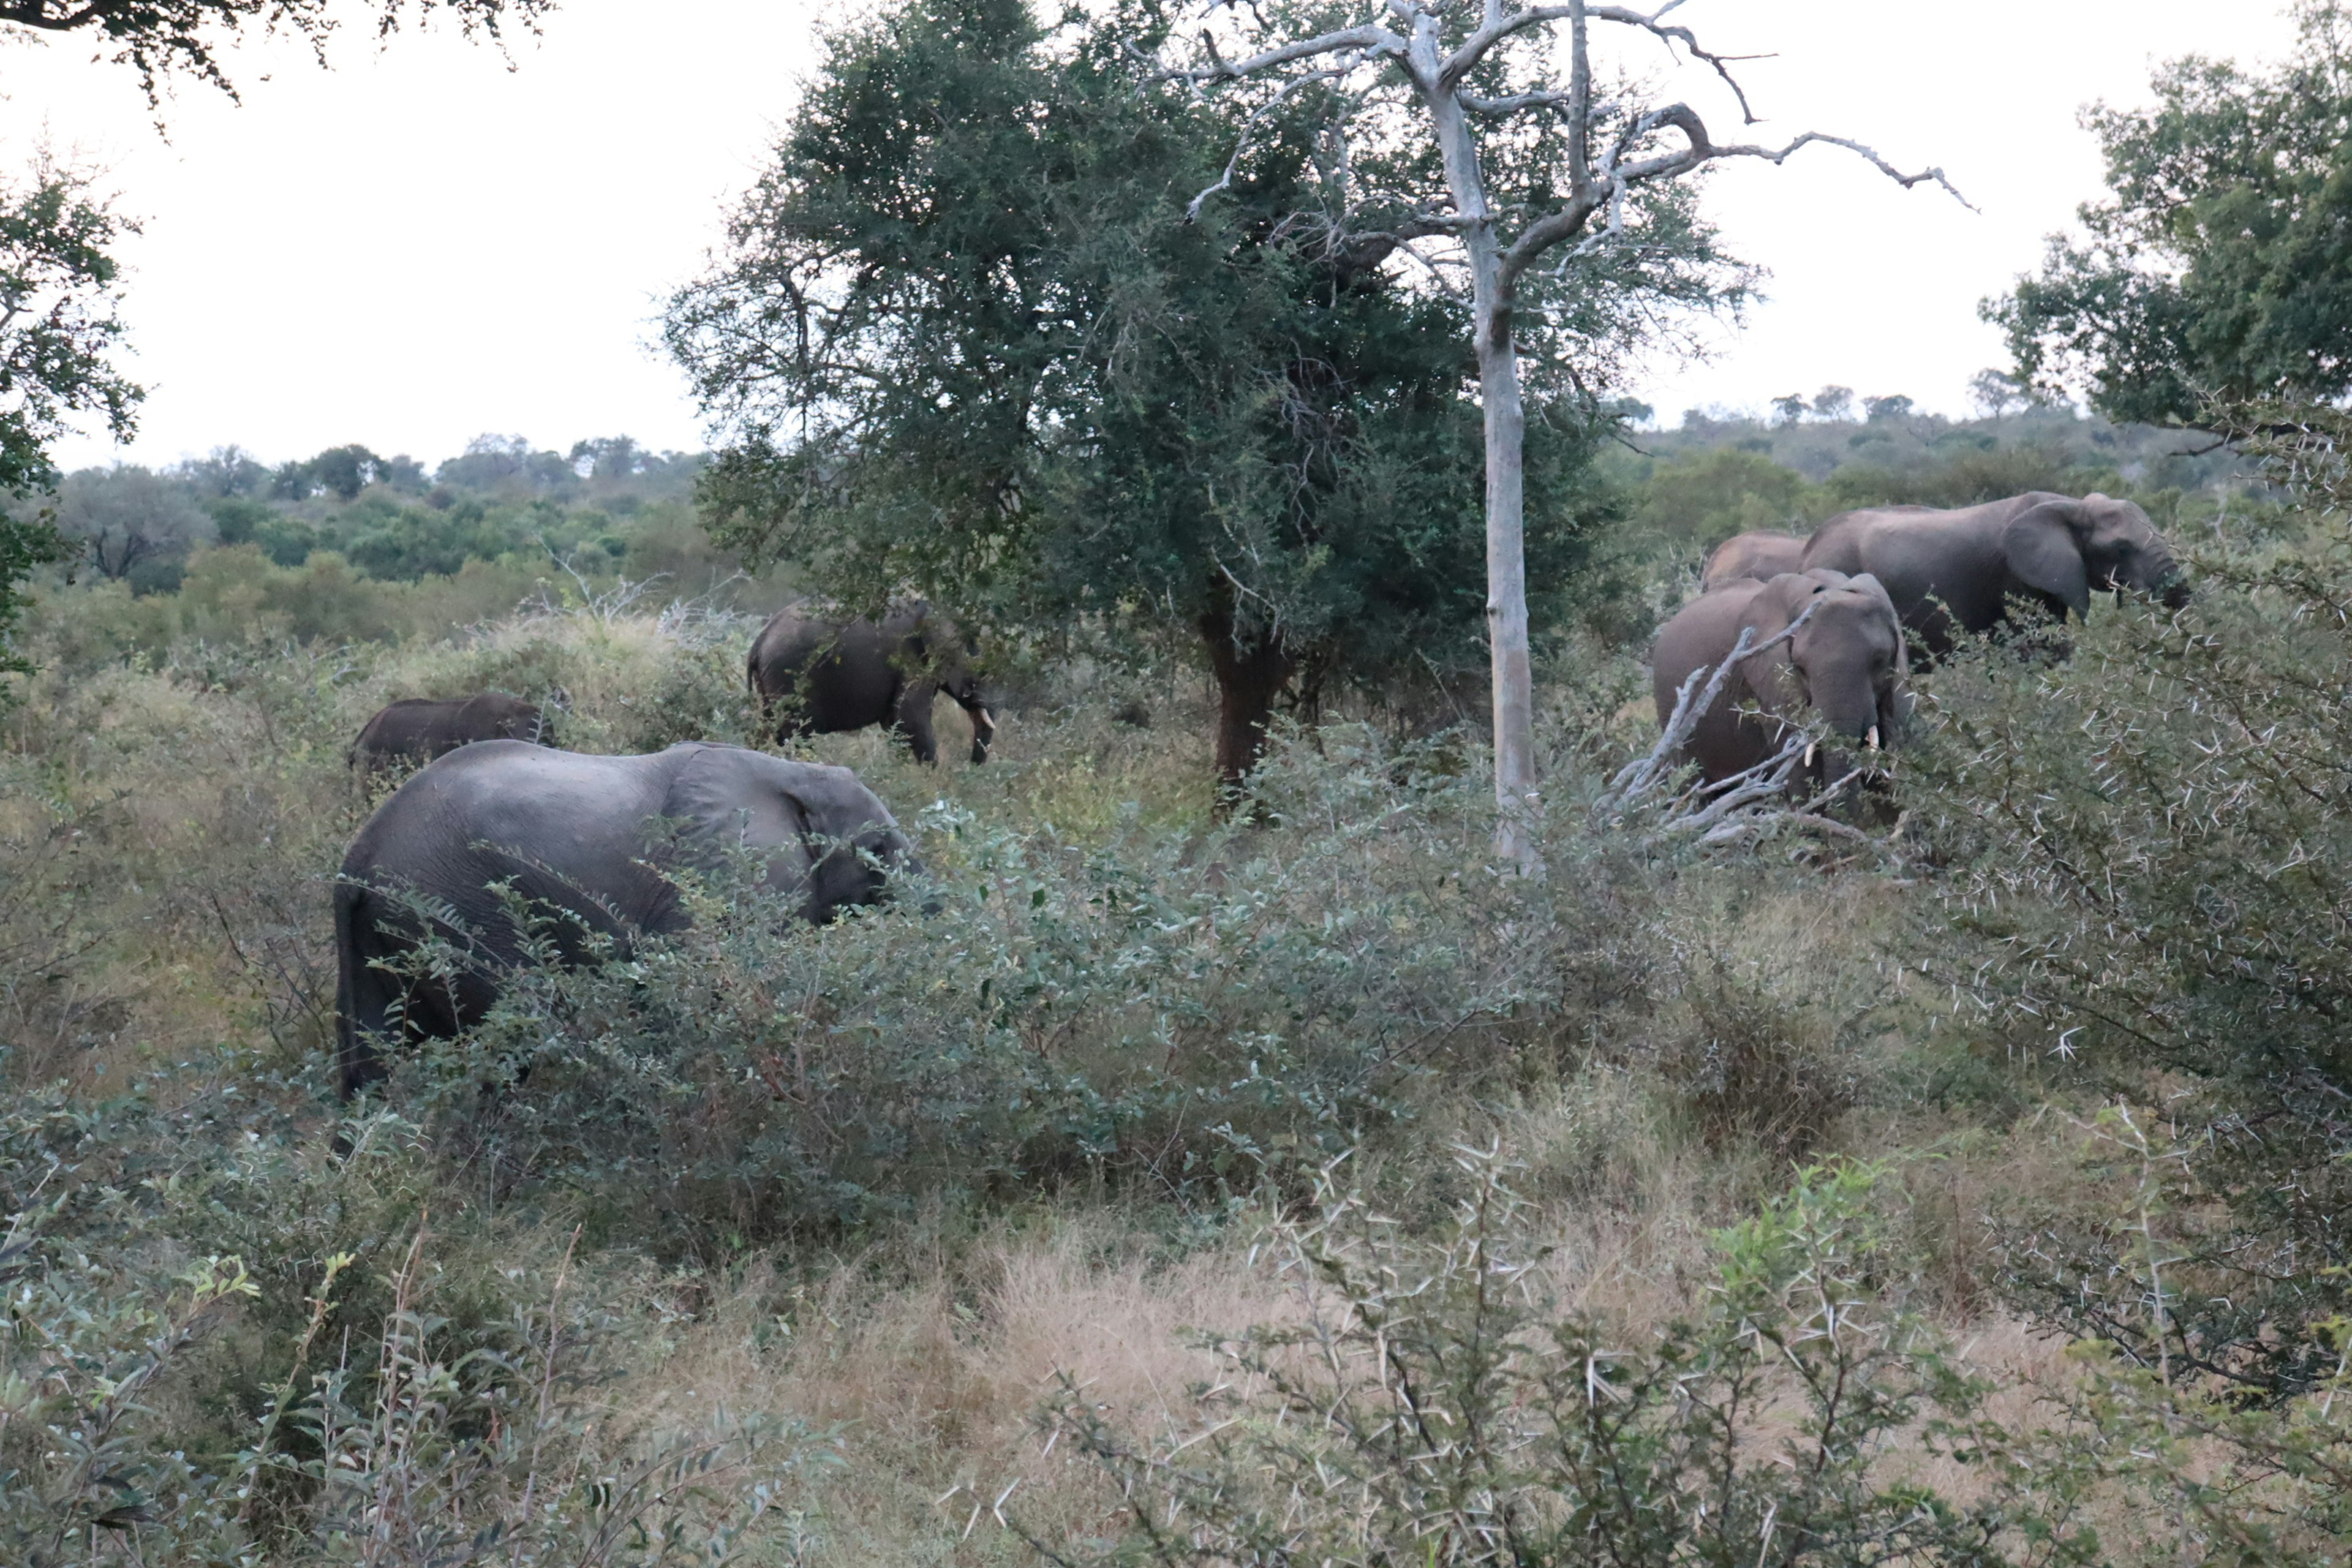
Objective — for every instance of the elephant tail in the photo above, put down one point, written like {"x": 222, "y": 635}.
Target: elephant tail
{"x": 360, "y": 1006}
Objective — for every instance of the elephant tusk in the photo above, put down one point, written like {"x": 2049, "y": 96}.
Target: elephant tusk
{"x": 988, "y": 719}
{"x": 1811, "y": 747}
{"x": 1871, "y": 741}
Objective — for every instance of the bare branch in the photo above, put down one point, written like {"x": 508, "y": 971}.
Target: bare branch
{"x": 1518, "y": 102}
{"x": 1881, "y": 165}
{"x": 1372, "y": 40}
{"x": 1241, "y": 145}
{"x": 1689, "y": 41}
{"x": 1639, "y": 776}
{"x": 1609, "y": 186}
{"x": 1480, "y": 44}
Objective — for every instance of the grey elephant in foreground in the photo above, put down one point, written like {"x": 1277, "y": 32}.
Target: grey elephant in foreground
{"x": 823, "y": 676}
{"x": 1846, "y": 664}
{"x": 1950, "y": 572}
{"x": 583, "y": 839}
{"x": 415, "y": 730}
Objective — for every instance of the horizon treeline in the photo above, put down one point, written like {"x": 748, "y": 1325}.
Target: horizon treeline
{"x": 391, "y": 519}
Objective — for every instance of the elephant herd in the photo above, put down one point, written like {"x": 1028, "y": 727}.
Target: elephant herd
{"x": 1870, "y": 592}
{"x": 496, "y": 819}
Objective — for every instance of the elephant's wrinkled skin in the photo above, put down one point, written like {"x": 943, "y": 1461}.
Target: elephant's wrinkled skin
{"x": 1760, "y": 556}
{"x": 572, "y": 833}
{"x": 415, "y": 730}
{"x": 827, "y": 676}
{"x": 1846, "y": 664}
{"x": 1960, "y": 568}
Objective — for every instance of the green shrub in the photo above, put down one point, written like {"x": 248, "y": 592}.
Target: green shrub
{"x": 2156, "y": 885}
{"x": 1128, "y": 1010}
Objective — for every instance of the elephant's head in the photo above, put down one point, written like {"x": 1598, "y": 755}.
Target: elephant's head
{"x": 2065, "y": 548}
{"x": 1846, "y": 662}
{"x": 824, "y": 835}
{"x": 954, "y": 656}
{"x": 860, "y": 866}
{"x": 853, "y": 847}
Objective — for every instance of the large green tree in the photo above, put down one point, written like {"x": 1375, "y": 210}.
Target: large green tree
{"x": 2219, "y": 268}
{"x": 964, "y": 339}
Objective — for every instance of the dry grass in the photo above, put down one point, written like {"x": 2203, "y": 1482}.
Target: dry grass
{"x": 933, "y": 1375}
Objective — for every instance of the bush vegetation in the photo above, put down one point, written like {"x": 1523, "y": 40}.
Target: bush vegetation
{"x": 1690, "y": 1204}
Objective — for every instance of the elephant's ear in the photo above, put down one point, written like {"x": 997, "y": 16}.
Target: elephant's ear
{"x": 1772, "y": 675}
{"x": 1867, "y": 582}
{"x": 732, "y": 800}
{"x": 2043, "y": 552}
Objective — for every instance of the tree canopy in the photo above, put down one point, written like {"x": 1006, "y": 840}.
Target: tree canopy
{"x": 2219, "y": 268}
{"x": 964, "y": 340}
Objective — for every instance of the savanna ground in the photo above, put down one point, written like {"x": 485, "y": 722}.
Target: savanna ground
{"x": 1727, "y": 1200}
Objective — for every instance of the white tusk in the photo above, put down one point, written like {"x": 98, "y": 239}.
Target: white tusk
{"x": 988, "y": 719}
{"x": 1871, "y": 741}
{"x": 1810, "y": 748}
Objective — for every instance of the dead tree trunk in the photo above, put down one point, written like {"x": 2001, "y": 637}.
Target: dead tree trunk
{"x": 1251, "y": 672}
{"x": 1613, "y": 150}
{"x": 1505, "y": 417}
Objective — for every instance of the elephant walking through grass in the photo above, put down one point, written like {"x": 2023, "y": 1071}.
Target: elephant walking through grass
{"x": 823, "y": 676}
{"x": 583, "y": 842}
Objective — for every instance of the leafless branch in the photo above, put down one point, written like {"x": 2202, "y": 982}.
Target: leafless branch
{"x": 1868, "y": 155}
{"x": 1241, "y": 142}
{"x": 1689, "y": 41}
{"x": 1371, "y": 40}
{"x": 1640, "y": 776}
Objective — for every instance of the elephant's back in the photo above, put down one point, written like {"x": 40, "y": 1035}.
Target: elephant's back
{"x": 494, "y": 715}
{"x": 512, "y": 800}
{"x": 404, "y": 725}
{"x": 1762, "y": 555}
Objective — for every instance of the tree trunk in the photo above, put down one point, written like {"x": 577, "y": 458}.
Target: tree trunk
{"x": 1507, "y": 425}
{"x": 1248, "y": 680}
{"x": 1507, "y": 591}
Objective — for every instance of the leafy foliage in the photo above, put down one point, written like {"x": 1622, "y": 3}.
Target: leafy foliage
{"x": 2157, "y": 883}
{"x": 25, "y": 545}
{"x": 2217, "y": 268}
{"x": 57, "y": 325}
{"x": 1129, "y": 1011}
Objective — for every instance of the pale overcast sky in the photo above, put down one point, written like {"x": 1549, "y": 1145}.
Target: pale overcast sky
{"x": 421, "y": 246}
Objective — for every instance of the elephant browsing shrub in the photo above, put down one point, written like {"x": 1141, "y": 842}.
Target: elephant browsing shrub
{"x": 1135, "y": 1012}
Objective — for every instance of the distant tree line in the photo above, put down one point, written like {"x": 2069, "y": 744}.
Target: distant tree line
{"x": 390, "y": 517}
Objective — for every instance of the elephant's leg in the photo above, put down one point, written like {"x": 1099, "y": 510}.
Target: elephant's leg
{"x": 914, "y": 717}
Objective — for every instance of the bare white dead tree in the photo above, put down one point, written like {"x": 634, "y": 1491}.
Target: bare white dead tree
{"x": 1486, "y": 85}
